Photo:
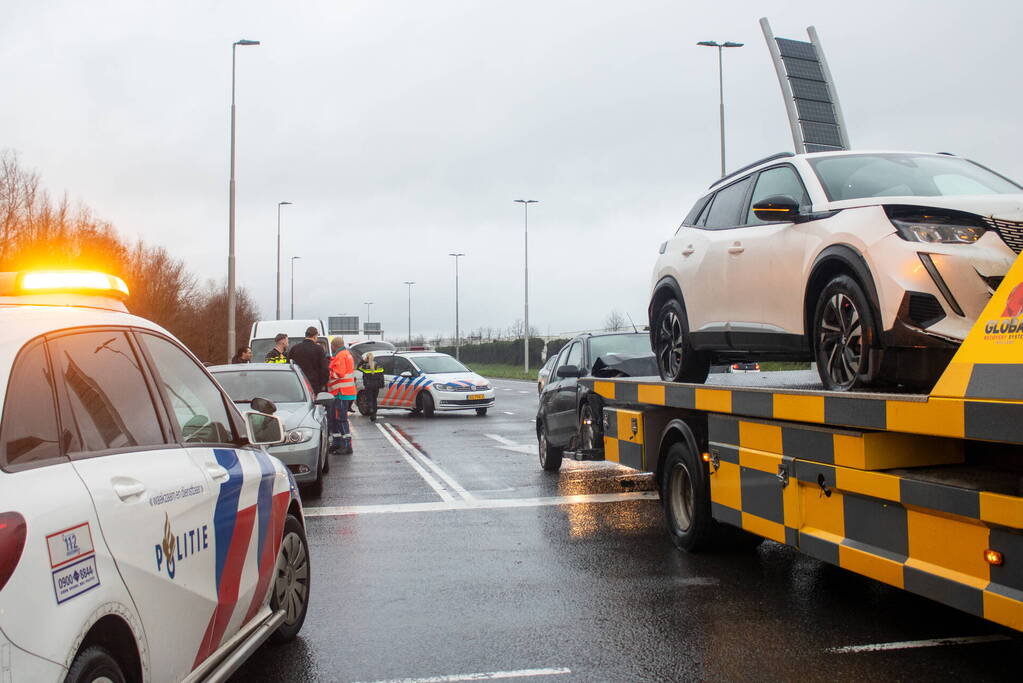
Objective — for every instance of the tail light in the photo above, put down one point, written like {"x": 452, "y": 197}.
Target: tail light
{"x": 735, "y": 366}
{"x": 758, "y": 366}
{"x": 12, "y": 541}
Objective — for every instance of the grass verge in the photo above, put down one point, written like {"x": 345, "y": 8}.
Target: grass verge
{"x": 503, "y": 371}
{"x": 779, "y": 365}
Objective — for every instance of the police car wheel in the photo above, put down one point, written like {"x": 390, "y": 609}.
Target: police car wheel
{"x": 95, "y": 665}
{"x": 291, "y": 581}
{"x": 685, "y": 495}
{"x": 426, "y": 404}
{"x": 482, "y": 412}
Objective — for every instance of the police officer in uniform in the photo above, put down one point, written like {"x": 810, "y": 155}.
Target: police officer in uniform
{"x": 278, "y": 354}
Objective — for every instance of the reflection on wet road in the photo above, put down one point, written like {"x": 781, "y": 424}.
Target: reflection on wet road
{"x": 441, "y": 552}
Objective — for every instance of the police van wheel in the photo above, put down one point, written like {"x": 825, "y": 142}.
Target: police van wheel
{"x": 291, "y": 581}
{"x": 685, "y": 495}
{"x": 95, "y": 664}
{"x": 426, "y": 404}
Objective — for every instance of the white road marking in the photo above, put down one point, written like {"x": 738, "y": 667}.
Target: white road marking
{"x": 434, "y": 484}
{"x": 509, "y": 445}
{"x": 479, "y": 504}
{"x": 523, "y": 392}
{"x": 912, "y": 644}
{"x": 507, "y": 413}
{"x": 487, "y": 676}
{"x": 501, "y": 440}
{"x": 415, "y": 452}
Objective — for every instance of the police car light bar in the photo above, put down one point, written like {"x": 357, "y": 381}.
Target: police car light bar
{"x": 70, "y": 281}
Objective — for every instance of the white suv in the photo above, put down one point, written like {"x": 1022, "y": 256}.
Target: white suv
{"x": 873, "y": 264}
{"x": 145, "y": 533}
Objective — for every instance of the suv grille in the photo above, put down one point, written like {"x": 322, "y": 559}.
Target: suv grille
{"x": 1011, "y": 232}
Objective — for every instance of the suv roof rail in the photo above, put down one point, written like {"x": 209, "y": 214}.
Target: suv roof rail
{"x": 779, "y": 155}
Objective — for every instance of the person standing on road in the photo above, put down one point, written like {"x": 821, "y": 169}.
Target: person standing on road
{"x": 372, "y": 382}
{"x": 310, "y": 356}
{"x": 279, "y": 353}
{"x": 244, "y": 355}
{"x": 342, "y": 385}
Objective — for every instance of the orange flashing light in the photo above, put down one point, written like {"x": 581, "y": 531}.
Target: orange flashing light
{"x": 993, "y": 557}
{"x": 706, "y": 457}
{"x": 68, "y": 281}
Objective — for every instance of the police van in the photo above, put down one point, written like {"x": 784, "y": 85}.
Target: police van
{"x": 145, "y": 533}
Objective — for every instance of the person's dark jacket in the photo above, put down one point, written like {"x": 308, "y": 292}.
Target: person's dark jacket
{"x": 311, "y": 357}
{"x": 371, "y": 379}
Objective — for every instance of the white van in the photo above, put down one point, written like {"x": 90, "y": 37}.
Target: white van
{"x": 261, "y": 338}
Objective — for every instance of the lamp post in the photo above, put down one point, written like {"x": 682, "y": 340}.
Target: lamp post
{"x": 458, "y": 337}
{"x": 279, "y": 205}
{"x": 525, "y": 332}
{"x": 721, "y": 89}
{"x": 292, "y": 288}
{"x": 367, "y": 304}
{"x": 410, "y": 313}
{"x": 230, "y": 213}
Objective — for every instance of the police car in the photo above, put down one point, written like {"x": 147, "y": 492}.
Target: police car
{"x": 145, "y": 534}
{"x": 427, "y": 381}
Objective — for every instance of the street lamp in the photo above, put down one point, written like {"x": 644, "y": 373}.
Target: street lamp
{"x": 279, "y": 205}
{"x": 410, "y": 313}
{"x": 230, "y": 240}
{"x": 292, "y": 288}
{"x": 721, "y": 90}
{"x": 458, "y": 338}
{"x": 525, "y": 335}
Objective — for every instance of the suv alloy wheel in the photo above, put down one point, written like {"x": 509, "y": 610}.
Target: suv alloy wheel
{"x": 676, "y": 358}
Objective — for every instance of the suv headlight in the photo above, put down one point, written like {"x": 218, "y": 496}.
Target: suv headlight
{"x": 935, "y": 226}
{"x": 299, "y": 435}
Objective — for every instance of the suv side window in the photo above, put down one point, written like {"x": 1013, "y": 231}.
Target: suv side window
{"x": 781, "y": 180}
{"x": 108, "y": 400}
{"x": 28, "y": 435}
{"x": 403, "y": 365}
{"x": 728, "y": 203}
{"x": 195, "y": 400}
{"x": 697, "y": 208}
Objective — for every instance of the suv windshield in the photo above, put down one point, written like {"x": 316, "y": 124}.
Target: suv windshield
{"x": 855, "y": 176}
{"x": 279, "y": 386}
{"x": 619, "y": 343}
{"x": 439, "y": 364}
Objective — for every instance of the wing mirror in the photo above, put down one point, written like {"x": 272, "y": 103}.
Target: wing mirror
{"x": 569, "y": 371}
{"x": 406, "y": 374}
{"x": 324, "y": 399}
{"x": 263, "y": 430}
{"x": 263, "y": 405}
{"x": 779, "y": 207}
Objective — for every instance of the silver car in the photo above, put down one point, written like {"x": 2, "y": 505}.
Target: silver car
{"x": 304, "y": 450}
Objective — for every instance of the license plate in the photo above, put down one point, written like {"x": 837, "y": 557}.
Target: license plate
{"x": 476, "y": 397}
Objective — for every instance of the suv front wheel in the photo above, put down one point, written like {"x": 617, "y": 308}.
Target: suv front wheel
{"x": 676, "y": 358}
{"x": 845, "y": 341}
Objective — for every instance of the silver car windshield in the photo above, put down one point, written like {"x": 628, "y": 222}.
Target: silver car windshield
{"x": 278, "y": 386}
{"x": 857, "y": 176}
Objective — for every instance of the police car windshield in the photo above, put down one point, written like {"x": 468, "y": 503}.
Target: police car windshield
{"x": 278, "y": 386}
{"x": 439, "y": 364}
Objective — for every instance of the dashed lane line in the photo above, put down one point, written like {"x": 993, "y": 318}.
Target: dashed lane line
{"x": 913, "y": 644}
{"x": 485, "y": 676}
{"x": 479, "y": 504}
{"x": 434, "y": 484}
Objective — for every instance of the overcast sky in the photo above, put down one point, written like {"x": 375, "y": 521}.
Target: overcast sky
{"x": 402, "y": 131}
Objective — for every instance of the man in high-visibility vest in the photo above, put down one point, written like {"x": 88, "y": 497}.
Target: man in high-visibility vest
{"x": 342, "y": 384}
{"x": 279, "y": 353}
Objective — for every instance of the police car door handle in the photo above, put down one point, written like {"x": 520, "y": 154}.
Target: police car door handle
{"x": 688, "y": 251}
{"x": 216, "y": 472}
{"x": 128, "y": 488}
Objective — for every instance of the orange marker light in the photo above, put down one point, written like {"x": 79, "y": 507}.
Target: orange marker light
{"x": 706, "y": 457}
{"x": 70, "y": 281}
{"x": 993, "y": 557}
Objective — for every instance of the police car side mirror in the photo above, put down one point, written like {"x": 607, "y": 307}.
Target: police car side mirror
{"x": 406, "y": 374}
{"x": 324, "y": 399}
{"x": 263, "y": 429}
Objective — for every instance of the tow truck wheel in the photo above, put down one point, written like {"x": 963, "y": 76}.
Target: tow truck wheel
{"x": 685, "y": 494}
{"x": 676, "y": 358}
{"x": 550, "y": 456}
{"x": 94, "y": 665}
{"x": 845, "y": 335}
{"x": 291, "y": 581}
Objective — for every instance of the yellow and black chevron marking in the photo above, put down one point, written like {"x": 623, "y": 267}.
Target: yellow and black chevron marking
{"x": 904, "y": 529}
{"x": 623, "y": 437}
{"x": 945, "y": 417}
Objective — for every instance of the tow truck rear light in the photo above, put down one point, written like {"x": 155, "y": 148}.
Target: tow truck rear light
{"x": 60, "y": 281}
{"x": 993, "y": 557}
{"x": 12, "y": 541}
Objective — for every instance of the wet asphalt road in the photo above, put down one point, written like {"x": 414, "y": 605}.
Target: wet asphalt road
{"x": 441, "y": 550}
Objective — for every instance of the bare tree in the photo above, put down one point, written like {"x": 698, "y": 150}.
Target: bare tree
{"x": 614, "y": 321}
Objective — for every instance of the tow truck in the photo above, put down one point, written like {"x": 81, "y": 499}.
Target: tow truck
{"x": 921, "y": 492}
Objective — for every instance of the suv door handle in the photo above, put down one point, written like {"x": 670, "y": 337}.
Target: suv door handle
{"x": 736, "y": 248}
{"x": 216, "y": 472}
{"x": 688, "y": 251}
{"x": 128, "y": 488}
